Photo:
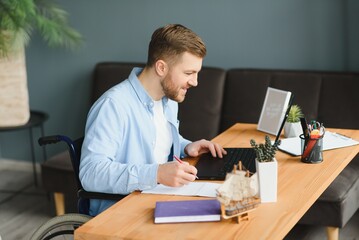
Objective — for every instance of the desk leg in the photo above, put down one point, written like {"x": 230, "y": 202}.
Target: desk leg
{"x": 33, "y": 156}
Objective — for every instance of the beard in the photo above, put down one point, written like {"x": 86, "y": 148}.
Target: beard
{"x": 170, "y": 89}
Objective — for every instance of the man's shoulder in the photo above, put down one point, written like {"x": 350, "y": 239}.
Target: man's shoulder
{"x": 120, "y": 89}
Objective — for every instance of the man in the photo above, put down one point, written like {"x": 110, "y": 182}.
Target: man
{"x": 131, "y": 134}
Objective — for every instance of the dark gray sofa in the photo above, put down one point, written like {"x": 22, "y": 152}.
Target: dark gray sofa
{"x": 223, "y": 98}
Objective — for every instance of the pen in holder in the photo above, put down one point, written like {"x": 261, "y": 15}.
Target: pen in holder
{"x": 312, "y": 149}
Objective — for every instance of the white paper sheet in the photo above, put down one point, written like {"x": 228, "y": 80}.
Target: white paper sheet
{"x": 204, "y": 189}
{"x": 331, "y": 140}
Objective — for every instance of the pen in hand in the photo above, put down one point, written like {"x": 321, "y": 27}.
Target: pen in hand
{"x": 180, "y": 161}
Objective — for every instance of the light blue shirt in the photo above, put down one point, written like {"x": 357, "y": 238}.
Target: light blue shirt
{"x": 117, "y": 152}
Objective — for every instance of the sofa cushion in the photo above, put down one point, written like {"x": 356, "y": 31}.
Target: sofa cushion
{"x": 339, "y": 201}
{"x": 200, "y": 113}
{"x": 339, "y": 100}
{"x": 243, "y": 97}
{"x": 305, "y": 86}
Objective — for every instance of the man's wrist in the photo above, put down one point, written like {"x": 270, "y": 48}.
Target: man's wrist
{"x": 185, "y": 150}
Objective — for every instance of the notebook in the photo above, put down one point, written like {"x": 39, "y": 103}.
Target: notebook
{"x": 214, "y": 168}
{"x": 187, "y": 211}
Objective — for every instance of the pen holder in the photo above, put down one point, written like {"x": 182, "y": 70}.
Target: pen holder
{"x": 312, "y": 149}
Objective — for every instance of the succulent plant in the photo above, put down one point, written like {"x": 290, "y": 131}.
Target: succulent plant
{"x": 295, "y": 113}
{"x": 265, "y": 152}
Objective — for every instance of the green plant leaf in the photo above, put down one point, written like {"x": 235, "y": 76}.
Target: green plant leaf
{"x": 19, "y": 18}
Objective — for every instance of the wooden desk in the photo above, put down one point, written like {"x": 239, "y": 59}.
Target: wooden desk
{"x": 299, "y": 185}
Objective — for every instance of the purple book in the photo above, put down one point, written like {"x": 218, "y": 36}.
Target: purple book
{"x": 187, "y": 211}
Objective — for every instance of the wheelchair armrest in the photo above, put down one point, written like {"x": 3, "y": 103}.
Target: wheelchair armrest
{"x": 97, "y": 195}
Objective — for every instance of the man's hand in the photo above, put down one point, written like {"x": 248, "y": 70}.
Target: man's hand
{"x": 195, "y": 149}
{"x": 175, "y": 174}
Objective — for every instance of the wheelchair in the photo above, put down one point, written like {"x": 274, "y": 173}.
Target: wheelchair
{"x": 63, "y": 227}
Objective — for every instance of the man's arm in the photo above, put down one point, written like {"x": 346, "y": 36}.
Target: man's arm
{"x": 108, "y": 164}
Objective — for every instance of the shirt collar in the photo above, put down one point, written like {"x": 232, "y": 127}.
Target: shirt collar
{"x": 141, "y": 93}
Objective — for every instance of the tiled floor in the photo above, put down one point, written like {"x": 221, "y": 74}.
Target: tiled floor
{"x": 24, "y": 207}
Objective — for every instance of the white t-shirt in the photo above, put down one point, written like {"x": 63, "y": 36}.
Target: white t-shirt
{"x": 163, "y": 134}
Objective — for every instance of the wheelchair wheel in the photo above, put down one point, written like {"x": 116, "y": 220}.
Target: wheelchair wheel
{"x": 60, "y": 227}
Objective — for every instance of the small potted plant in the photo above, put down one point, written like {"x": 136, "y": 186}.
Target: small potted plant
{"x": 292, "y": 127}
{"x": 267, "y": 168}
{"x": 265, "y": 152}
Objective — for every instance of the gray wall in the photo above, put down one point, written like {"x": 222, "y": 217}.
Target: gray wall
{"x": 282, "y": 34}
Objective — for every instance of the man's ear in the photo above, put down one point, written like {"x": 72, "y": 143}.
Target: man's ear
{"x": 161, "y": 68}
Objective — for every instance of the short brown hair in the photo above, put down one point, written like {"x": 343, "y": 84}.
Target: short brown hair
{"x": 170, "y": 41}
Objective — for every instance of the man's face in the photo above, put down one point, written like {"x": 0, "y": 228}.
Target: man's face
{"x": 181, "y": 76}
